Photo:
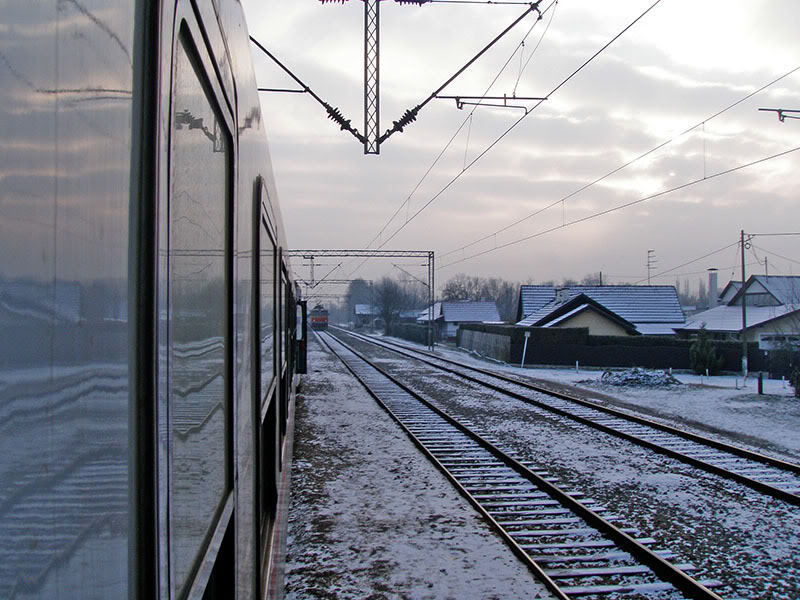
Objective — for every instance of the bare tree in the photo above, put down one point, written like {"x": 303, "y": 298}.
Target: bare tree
{"x": 391, "y": 298}
{"x": 503, "y": 293}
{"x": 592, "y": 279}
{"x": 358, "y": 292}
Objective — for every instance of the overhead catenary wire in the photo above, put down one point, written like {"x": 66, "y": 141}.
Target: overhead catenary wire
{"x": 455, "y": 134}
{"x": 522, "y": 118}
{"x": 625, "y": 205}
{"x": 622, "y": 166}
{"x": 535, "y": 48}
{"x": 411, "y": 114}
{"x": 467, "y": 119}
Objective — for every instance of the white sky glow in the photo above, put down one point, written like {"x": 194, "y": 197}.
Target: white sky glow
{"x": 677, "y": 67}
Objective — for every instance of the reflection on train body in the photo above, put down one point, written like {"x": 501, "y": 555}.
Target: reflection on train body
{"x": 147, "y": 345}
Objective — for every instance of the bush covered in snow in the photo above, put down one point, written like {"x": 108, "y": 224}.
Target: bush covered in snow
{"x": 637, "y": 376}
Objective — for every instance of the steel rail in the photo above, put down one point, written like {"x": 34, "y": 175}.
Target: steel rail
{"x": 760, "y": 486}
{"x": 660, "y": 567}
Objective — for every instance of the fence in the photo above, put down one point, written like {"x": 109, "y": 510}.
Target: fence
{"x": 548, "y": 346}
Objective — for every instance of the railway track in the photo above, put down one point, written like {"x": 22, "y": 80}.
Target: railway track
{"x": 576, "y": 547}
{"x": 769, "y": 475}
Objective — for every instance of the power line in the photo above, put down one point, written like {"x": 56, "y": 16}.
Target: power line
{"x": 694, "y": 260}
{"x": 518, "y": 121}
{"x": 623, "y": 166}
{"x": 458, "y": 130}
{"x": 468, "y": 118}
{"x": 685, "y": 274}
{"x": 773, "y": 234}
{"x": 625, "y": 205}
{"x": 776, "y": 254}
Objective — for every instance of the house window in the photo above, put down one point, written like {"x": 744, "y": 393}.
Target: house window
{"x": 775, "y": 341}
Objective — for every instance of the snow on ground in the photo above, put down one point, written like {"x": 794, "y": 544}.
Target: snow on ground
{"x": 734, "y": 534}
{"x": 719, "y": 404}
{"x": 370, "y": 517}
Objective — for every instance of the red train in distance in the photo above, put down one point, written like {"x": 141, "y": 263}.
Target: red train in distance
{"x": 319, "y": 318}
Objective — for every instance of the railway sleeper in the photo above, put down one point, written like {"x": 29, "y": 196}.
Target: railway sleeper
{"x": 602, "y": 572}
{"x": 525, "y": 533}
{"x": 604, "y": 557}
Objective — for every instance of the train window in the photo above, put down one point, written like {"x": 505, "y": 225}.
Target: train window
{"x": 284, "y": 324}
{"x": 267, "y": 253}
{"x": 199, "y": 359}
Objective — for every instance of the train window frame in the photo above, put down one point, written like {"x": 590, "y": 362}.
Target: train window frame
{"x": 264, "y": 218}
{"x": 190, "y": 33}
{"x": 264, "y": 400}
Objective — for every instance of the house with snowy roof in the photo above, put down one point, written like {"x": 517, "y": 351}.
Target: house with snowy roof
{"x": 618, "y": 310}
{"x": 448, "y": 316}
{"x": 772, "y": 309}
{"x": 365, "y": 314}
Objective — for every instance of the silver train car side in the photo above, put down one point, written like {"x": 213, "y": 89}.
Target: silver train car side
{"x": 149, "y": 338}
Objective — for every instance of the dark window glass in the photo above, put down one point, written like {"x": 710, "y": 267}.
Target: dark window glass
{"x": 198, "y": 309}
{"x": 267, "y": 315}
{"x": 283, "y": 320}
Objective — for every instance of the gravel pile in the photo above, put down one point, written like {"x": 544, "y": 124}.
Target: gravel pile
{"x": 639, "y": 377}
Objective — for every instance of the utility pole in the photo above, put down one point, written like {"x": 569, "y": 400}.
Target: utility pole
{"x": 744, "y": 311}
{"x": 310, "y": 257}
{"x": 651, "y": 263}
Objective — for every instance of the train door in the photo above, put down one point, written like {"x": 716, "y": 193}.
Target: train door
{"x": 301, "y": 336}
{"x": 195, "y": 321}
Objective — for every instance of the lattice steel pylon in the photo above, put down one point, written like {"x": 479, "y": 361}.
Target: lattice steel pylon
{"x": 372, "y": 108}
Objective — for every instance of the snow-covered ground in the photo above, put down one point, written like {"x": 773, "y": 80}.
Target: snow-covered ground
{"x": 731, "y": 533}
{"x": 722, "y": 406}
{"x": 370, "y": 517}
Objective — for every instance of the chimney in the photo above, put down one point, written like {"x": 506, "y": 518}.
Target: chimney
{"x": 713, "y": 292}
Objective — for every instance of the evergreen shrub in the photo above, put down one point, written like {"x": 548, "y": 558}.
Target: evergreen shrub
{"x": 703, "y": 356}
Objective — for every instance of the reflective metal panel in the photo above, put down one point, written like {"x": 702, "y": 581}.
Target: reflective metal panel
{"x": 65, "y": 143}
{"x": 198, "y": 314}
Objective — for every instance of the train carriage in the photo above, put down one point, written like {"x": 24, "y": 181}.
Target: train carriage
{"x": 319, "y": 318}
{"x": 149, "y": 354}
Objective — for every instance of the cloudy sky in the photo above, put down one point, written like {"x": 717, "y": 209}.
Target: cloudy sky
{"x": 664, "y": 80}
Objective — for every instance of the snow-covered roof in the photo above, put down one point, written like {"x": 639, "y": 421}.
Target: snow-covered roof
{"x": 656, "y": 328}
{"x": 470, "y": 311}
{"x": 729, "y": 291}
{"x": 638, "y": 304}
{"x": 464, "y": 312}
{"x": 784, "y": 288}
{"x": 729, "y": 318}
{"x": 534, "y": 297}
{"x": 579, "y": 304}
{"x": 365, "y": 309}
